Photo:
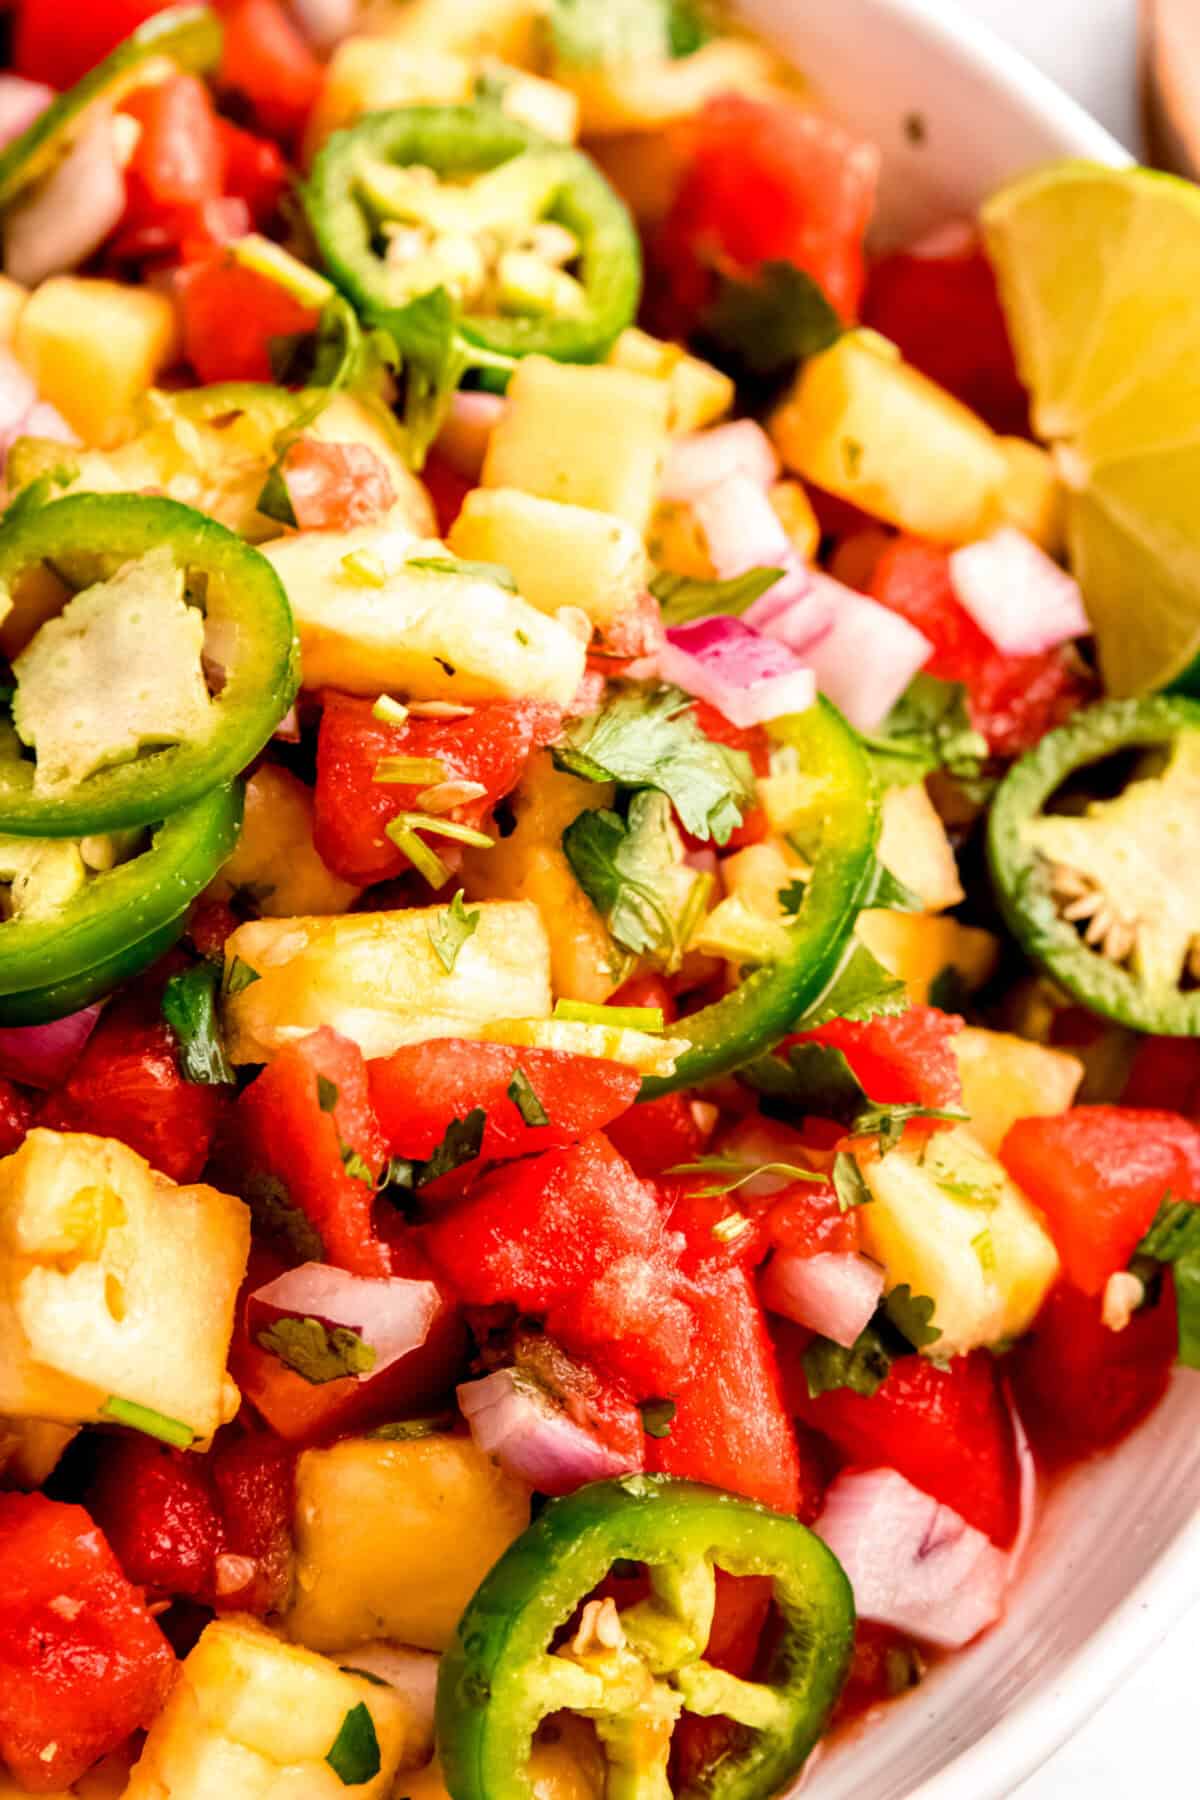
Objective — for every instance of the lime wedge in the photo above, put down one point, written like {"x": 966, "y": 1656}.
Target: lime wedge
{"x": 1099, "y": 272}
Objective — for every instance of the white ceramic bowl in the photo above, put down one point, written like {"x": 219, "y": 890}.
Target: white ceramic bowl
{"x": 1116, "y": 1556}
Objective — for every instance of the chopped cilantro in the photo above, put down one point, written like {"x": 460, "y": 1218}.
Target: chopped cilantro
{"x": 929, "y": 728}
{"x": 146, "y": 1420}
{"x": 317, "y": 1352}
{"x": 861, "y": 989}
{"x": 627, "y": 868}
{"x": 817, "y": 1081}
{"x": 1174, "y": 1238}
{"x": 948, "y": 990}
{"x": 863, "y": 1367}
{"x": 524, "y": 1098}
{"x": 606, "y": 33}
{"x": 450, "y": 931}
{"x": 356, "y": 1167}
{"x": 912, "y": 1315}
{"x": 354, "y": 1755}
{"x": 189, "y": 1008}
{"x": 327, "y": 1093}
{"x": 496, "y": 573}
{"x": 364, "y": 1675}
{"x": 404, "y": 1431}
{"x": 462, "y": 1143}
{"x": 766, "y": 324}
{"x": 890, "y": 893}
{"x": 274, "y": 500}
{"x": 274, "y": 1214}
{"x": 240, "y": 976}
{"x": 739, "y": 1173}
{"x": 791, "y": 898}
{"x": 684, "y": 599}
{"x": 657, "y": 1416}
{"x": 649, "y": 738}
{"x": 849, "y": 1184}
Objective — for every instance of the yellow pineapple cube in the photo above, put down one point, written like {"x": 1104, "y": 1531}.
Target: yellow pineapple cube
{"x": 699, "y": 394}
{"x": 1032, "y": 497}
{"x": 276, "y": 859}
{"x": 797, "y": 517}
{"x": 559, "y": 555}
{"x": 1007, "y": 1078}
{"x": 914, "y": 846}
{"x": 918, "y": 947}
{"x": 12, "y": 304}
{"x": 393, "y": 1538}
{"x": 93, "y": 348}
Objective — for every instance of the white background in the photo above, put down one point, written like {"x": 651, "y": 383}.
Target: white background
{"x": 1142, "y": 1742}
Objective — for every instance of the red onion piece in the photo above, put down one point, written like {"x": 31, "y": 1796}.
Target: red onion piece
{"x": 288, "y": 728}
{"x": 741, "y": 528}
{"x": 835, "y": 1292}
{"x": 21, "y": 102}
{"x": 865, "y": 658}
{"x": 325, "y": 22}
{"x": 392, "y": 1316}
{"x": 798, "y": 610}
{"x": 42, "y": 1056}
{"x": 749, "y": 678}
{"x": 957, "y": 237}
{"x": 69, "y": 215}
{"x": 1017, "y": 595}
{"x": 515, "y": 1422}
{"x": 913, "y": 1563}
{"x": 463, "y": 440}
{"x": 700, "y": 459}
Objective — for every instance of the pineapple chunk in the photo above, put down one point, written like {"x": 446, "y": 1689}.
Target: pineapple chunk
{"x": 114, "y": 1282}
{"x": 919, "y": 946}
{"x": 530, "y": 865}
{"x": 254, "y": 1718}
{"x": 1033, "y": 498}
{"x": 93, "y": 348}
{"x": 12, "y": 304}
{"x": 394, "y": 1538}
{"x": 371, "y": 74}
{"x": 276, "y": 859}
{"x": 556, "y": 438}
{"x": 946, "y": 1220}
{"x": 504, "y": 28}
{"x": 568, "y": 1765}
{"x": 1007, "y": 1078}
{"x": 648, "y": 93}
{"x": 644, "y": 1051}
{"x": 795, "y": 513}
{"x": 559, "y": 555}
{"x": 427, "y": 633}
{"x": 119, "y": 669}
{"x": 376, "y": 978}
{"x": 914, "y": 846}
{"x": 699, "y": 394}
{"x": 30, "y": 1450}
{"x": 862, "y": 423}
{"x": 676, "y": 541}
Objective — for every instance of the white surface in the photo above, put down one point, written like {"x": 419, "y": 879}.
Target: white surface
{"x": 1116, "y": 1561}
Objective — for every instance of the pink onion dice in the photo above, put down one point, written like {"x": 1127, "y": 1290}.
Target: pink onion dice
{"x": 325, "y": 22}
{"x": 913, "y": 1563}
{"x": 391, "y": 1316}
{"x": 749, "y": 678}
{"x": 866, "y": 656}
{"x": 835, "y": 1292}
{"x": 463, "y": 440}
{"x": 1017, "y": 595}
{"x": 741, "y": 528}
{"x": 42, "y": 1056}
{"x": 21, "y": 102}
{"x": 68, "y": 216}
{"x": 700, "y": 459}
{"x": 514, "y": 1421}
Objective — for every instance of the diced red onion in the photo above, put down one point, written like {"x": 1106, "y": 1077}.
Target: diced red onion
{"x": 513, "y": 1421}
{"x": 798, "y": 610}
{"x": 288, "y": 728}
{"x": 21, "y": 102}
{"x": 701, "y": 459}
{"x": 957, "y": 237}
{"x": 866, "y": 656}
{"x": 463, "y": 440}
{"x": 325, "y": 22}
{"x": 69, "y": 215}
{"x": 588, "y": 696}
{"x": 392, "y": 1316}
{"x": 912, "y": 1562}
{"x": 741, "y": 528}
{"x": 749, "y": 678}
{"x": 42, "y": 1056}
{"x": 1017, "y": 595}
{"x": 835, "y": 1292}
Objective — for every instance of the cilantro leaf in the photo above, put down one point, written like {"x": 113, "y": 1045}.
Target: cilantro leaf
{"x": 436, "y": 357}
{"x": 684, "y": 599}
{"x": 912, "y": 1315}
{"x": 861, "y": 989}
{"x": 765, "y": 325}
{"x": 739, "y": 1173}
{"x": 849, "y": 1183}
{"x": 817, "y": 1081}
{"x": 240, "y": 977}
{"x": 356, "y": 1166}
{"x": 524, "y": 1097}
{"x": 450, "y": 931}
{"x": 606, "y": 33}
{"x": 354, "y": 1754}
{"x": 462, "y": 1144}
{"x": 274, "y": 500}
{"x": 625, "y": 867}
{"x": 929, "y": 728}
{"x": 327, "y": 1093}
{"x": 1174, "y": 1238}
{"x": 496, "y": 573}
{"x": 657, "y": 1416}
{"x": 862, "y": 1368}
{"x": 405, "y": 1431}
{"x": 189, "y": 1006}
{"x": 948, "y": 990}
{"x": 642, "y": 739}
{"x": 317, "y": 1352}
{"x": 273, "y": 1212}
{"x": 791, "y": 898}
{"x": 887, "y": 891}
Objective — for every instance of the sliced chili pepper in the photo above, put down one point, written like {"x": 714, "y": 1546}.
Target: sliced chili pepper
{"x": 1102, "y": 898}
{"x": 458, "y": 141}
{"x": 87, "y": 537}
{"x": 120, "y": 921}
{"x": 634, "y": 1672}
{"x": 770, "y": 1002}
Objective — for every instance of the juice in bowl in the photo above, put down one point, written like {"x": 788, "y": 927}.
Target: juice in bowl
{"x": 598, "y": 995}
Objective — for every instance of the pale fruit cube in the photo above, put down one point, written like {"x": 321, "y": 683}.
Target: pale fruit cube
{"x": 649, "y": 93}
{"x": 430, "y": 633}
{"x": 796, "y": 515}
{"x": 114, "y": 1283}
{"x": 862, "y": 423}
{"x": 589, "y": 436}
{"x": 946, "y": 1220}
{"x": 372, "y": 74}
{"x": 699, "y": 394}
{"x": 918, "y": 947}
{"x": 1007, "y": 1078}
{"x": 276, "y": 861}
{"x": 644, "y": 1051}
{"x": 12, "y": 304}
{"x": 915, "y": 848}
{"x": 93, "y": 348}
{"x": 254, "y": 1718}
{"x": 393, "y": 1538}
{"x": 1032, "y": 497}
{"x": 559, "y": 555}
{"x": 504, "y": 28}
{"x": 376, "y": 978}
